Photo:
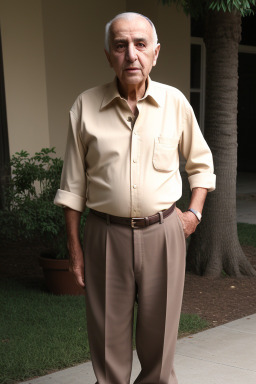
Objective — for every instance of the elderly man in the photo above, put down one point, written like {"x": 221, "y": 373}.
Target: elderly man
{"x": 122, "y": 162}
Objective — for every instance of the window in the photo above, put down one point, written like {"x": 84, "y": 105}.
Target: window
{"x": 197, "y": 79}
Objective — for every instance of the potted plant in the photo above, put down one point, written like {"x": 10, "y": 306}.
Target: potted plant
{"x": 29, "y": 214}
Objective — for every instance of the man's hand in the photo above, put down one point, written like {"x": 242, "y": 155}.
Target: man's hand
{"x": 189, "y": 222}
{"x": 188, "y": 219}
{"x": 76, "y": 264}
{"x": 76, "y": 257}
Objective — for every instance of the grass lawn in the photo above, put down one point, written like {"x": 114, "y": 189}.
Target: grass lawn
{"x": 247, "y": 234}
{"x": 39, "y": 331}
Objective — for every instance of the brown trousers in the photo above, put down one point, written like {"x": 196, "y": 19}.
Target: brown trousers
{"x": 121, "y": 263}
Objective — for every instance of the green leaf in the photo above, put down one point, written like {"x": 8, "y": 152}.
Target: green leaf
{"x": 198, "y": 8}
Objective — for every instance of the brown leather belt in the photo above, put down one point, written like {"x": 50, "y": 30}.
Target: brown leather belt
{"x": 136, "y": 222}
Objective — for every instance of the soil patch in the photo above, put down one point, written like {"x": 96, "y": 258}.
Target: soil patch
{"x": 224, "y": 299}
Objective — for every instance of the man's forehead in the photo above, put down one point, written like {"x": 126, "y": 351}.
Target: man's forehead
{"x": 138, "y": 27}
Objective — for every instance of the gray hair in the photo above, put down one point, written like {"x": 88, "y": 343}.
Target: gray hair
{"x": 128, "y": 16}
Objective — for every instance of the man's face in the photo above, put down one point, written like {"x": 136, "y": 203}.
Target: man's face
{"x": 131, "y": 50}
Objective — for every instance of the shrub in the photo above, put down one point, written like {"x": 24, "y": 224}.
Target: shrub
{"x": 29, "y": 213}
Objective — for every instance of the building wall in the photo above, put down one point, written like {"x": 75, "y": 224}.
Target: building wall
{"x": 24, "y": 72}
{"x": 53, "y": 50}
{"x": 75, "y": 58}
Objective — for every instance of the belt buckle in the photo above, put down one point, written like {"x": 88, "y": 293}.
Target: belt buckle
{"x": 134, "y": 222}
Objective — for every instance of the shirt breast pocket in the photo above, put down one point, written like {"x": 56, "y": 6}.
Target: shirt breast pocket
{"x": 165, "y": 156}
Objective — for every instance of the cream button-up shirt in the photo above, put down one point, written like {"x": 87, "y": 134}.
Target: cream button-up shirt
{"x": 129, "y": 167}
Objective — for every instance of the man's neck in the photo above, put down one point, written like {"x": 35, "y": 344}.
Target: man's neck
{"x": 132, "y": 93}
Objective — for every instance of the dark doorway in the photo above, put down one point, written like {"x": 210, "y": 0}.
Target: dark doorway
{"x": 4, "y": 142}
{"x": 246, "y": 119}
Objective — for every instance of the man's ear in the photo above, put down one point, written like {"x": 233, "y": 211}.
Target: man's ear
{"x": 108, "y": 57}
{"x": 156, "y": 53}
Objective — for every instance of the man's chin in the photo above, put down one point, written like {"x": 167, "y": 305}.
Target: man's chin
{"x": 133, "y": 79}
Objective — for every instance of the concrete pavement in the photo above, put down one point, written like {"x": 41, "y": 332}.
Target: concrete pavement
{"x": 246, "y": 197}
{"x": 221, "y": 355}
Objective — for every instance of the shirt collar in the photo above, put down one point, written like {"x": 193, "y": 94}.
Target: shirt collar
{"x": 110, "y": 94}
{"x": 153, "y": 93}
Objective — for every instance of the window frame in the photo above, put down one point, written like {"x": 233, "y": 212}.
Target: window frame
{"x": 199, "y": 41}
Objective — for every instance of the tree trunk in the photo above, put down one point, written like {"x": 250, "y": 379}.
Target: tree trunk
{"x": 215, "y": 246}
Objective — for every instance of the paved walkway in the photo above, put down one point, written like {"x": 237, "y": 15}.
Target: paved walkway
{"x": 221, "y": 355}
{"x": 246, "y": 197}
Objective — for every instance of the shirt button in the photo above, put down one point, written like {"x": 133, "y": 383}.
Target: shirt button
{"x": 129, "y": 118}
{"x": 134, "y": 186}
{"x": 135, "y": 160}
{"x": 135, "y": 133}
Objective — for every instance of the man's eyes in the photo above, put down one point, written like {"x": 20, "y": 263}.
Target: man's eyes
{"x": 120, "y": 46}
{"x": 123, "y": 46}
{"x": 141, "y": 45}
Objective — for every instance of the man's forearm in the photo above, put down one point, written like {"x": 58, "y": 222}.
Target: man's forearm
{"x": 198, "y": 198}
{"x": 72, "y": 219}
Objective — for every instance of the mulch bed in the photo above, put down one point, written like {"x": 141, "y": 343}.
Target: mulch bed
{"x": 224, "y": 299}
{"x": 216, "y": 300}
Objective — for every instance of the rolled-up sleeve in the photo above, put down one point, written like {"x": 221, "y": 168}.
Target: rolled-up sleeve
{"x": 199, "y": 161}
{"x": 72, "y": 192}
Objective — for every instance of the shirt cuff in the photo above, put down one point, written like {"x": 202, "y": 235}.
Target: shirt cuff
{"x": 70, "y": 200}
{"x": 203, "y": 180}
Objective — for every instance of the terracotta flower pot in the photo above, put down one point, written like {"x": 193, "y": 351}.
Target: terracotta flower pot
{"x": 58, "y": 279}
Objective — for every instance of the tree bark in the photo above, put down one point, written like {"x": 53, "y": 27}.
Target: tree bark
{"x": 215, "y": 247}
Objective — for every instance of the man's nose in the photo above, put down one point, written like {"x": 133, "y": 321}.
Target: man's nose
{"x": 131, "y": 54}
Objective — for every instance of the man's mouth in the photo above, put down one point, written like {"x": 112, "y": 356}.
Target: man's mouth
{"x": 132, "y": 69}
